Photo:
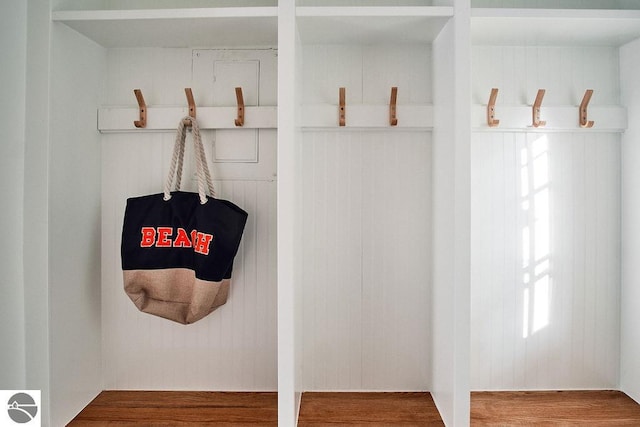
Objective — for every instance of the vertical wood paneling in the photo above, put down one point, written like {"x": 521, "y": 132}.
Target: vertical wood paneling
{"x": 514, "y": 344}
{"x": 366, "y": 268}
{"x": 367, "y": 72}
{"x": 234, "y": 348}
{"x": 545, "y": 320}
{"x": 366, "y": 220}
{"x": 566, "y": 72}
{"x": 406, "y": 67}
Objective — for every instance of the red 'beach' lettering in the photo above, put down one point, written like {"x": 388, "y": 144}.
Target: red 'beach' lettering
{"x": 148, "y": 237}
{"x": 202, "y": 243}
{"x": 182, "y": 239}
{"x": 161, "y": 237}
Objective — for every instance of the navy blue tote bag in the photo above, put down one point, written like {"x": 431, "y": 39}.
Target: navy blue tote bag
{"x": 178, "y": 247}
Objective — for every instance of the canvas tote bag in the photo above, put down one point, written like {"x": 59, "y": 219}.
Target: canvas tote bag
{"x": 178, "y": 247}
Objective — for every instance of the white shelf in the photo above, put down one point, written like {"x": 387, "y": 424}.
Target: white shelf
{"x": 228, "y": 27}
{"x": 323, "y": 116}
{"x": 368, "y": 25}
{"x": 163, "y": 119}
{"x": 554, "y": 27}
{"x": 559, "y": 119}
{"x": 363, "y": 3}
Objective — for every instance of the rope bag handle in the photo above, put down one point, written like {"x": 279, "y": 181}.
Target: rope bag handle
{"x": 202, "y": 169}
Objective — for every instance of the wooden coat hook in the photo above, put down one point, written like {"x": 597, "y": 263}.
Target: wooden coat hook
{"x": 536, "y": 109}
{"x": 341, "y": 111}
{"x": 240, "y": 101}
{"x": 491, "y": 109}
{"x": 393, "y": 120}
{"x": 192, "y": 105}
{"x": 142, "y": 123}
{"x": 584, "y": 123}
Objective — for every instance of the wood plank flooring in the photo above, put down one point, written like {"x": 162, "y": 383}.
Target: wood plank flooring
{"x": 186, "y": 408}
{"x": 179, "y": 408}
{"x": 368, "y": 409}
{"x": 554, "y": 408}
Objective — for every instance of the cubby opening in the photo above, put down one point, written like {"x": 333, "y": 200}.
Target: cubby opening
{"x": 366, "y": 209}
{"x": 366, "y": 197}
{"x": 548, "y": 229}
{"x": 99, "y": 57}
{"x": 234, "y": 348}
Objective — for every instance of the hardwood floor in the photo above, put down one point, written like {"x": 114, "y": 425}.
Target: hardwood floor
{"x": 179, "y": 408}
{"x": 554, "y": 408}
{"x": 368, "y": 409}
{"x": 187, "y": 408}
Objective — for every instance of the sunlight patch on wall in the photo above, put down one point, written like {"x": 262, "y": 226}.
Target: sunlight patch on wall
{"x": 536, "y": 233}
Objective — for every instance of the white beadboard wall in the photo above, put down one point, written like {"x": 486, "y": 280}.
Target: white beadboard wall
{"x": 545, "y": 243}
{"x": 234, "y": 348}
{"x": 365, "y": 201}
{"x": 366, "y": 263}
{"x": 367, "y": 73}
{"x": 565, "y": 73}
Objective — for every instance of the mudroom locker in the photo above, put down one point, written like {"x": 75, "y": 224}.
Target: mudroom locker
{"x": 426, "y": 212}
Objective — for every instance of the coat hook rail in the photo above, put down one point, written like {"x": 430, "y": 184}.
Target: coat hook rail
{"x": 393, "y": 120}
{"x": 584, "y": 122}
{"x": 491, "y": 109}
{"x": 142, "y": 107}
{"x": 192, "y": 105}
{"x": 536, "y": 109}
{"x": 341, "y": 111}
{"x": 240, "y": 101}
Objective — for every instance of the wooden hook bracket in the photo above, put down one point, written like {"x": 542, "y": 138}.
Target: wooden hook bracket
{"x": 192, "y": 105}
{"x": 491, "y": 109}
{"x": 342, "y": 115}
{"x": 536, "y": 109}
{"x": 393, "y": 119}
{"x": 142, "y": 106}
{"x": 584, "y": 122}
{"x": 240, "y": 101}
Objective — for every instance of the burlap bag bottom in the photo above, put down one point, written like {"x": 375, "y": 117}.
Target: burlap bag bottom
{"x": 174, "y": 293}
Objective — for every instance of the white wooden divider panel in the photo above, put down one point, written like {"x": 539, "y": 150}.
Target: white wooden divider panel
{"x": 235, "y": 347}
{"x": 630, "y": 295}
{"x": 546, "y": 261}
{"x": 13, "y": 44}
{"x": 73, "y": 222}
{"x": 366, "y": 271}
